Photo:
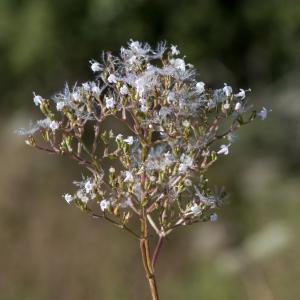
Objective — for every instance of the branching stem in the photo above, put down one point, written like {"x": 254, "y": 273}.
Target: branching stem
{"x": 157, "y": 249}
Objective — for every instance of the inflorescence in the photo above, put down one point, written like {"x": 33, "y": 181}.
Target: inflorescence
{"x": 178, "y": 129}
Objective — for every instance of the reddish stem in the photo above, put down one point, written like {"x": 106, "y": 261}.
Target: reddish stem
{"x": 157, "y": 249}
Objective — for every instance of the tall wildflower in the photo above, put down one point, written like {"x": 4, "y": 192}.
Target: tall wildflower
{"x": 178, "y": 127}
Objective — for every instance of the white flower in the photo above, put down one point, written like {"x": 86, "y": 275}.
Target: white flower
{"x": 168, "y": 160}
{"x": 128, "y": 177}
{"x": 224, "y": 149}
{"x": 186, "y": 123}
{"x": 86, "y": 86}
{"x": 112, "y": 78}
{"x": 140, "y": 86}
{"x": 143, "y": 103}
{"x": 211, "y": 104}
{"x": 96, "y": 90}
{"x": 174, "y": 50}
{"x": 60, "y": 105}
{"x": 186, "y": 162}
{"x": 124, "y": 90}
{"x": 132, "y": 59}
{"x": 227, "y": 90}
{"x": 69, "y": 198}
{"x": 112, "y": 170}
{"x": 171, "y": 97}
{"x": 104, "y": 204}
{"x": 37, "y": 99}
{"x": 152, "y": 178}
{"x": 89, "y": 186}
{"x": 82, "y": 196}
{"x": 226, "y": 105}
{"x": 238, "y": 106}
{"x": 45, "y": 123}
{"x": 76, "y": 95}
{"x": 54, "y": 125}
{"x": 119, "y": 137}
{"x": 96, "y": 67}
{"x": 129, "y": 140}
{"x": 263, "y": 113}
{"x": 241, "y": 94}
{"x": 178, "y": 63}
{"x": 126, "y": 203}
{"x": 164, "y": 112}
{"x": 182, "y": 168}
{"x": 196, "y": 209}
{"x": 213, "y": 217}
{"x": 109, "y": 102}
{"x": 144, "y": 108}
{"x": 200, "y": 86}
{"x": 138, "y": 48}
{"x": 135, "y": 46}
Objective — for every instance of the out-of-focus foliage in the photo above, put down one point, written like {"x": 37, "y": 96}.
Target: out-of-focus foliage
{"x": 49, "y": 251}
{"x": 43, "y": 43}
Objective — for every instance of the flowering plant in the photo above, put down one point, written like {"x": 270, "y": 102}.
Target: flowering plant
{"x": 156, "y": 175}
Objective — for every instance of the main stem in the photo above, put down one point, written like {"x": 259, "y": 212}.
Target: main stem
{"x": 144, "y": 240}
{"x": 146, "y": 256}
{"x": 144, "y": 245}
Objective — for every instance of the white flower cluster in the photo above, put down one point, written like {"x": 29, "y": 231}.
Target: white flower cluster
{"x": 178, "y": 129}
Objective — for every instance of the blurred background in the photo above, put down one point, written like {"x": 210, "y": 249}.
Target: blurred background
{"x": 51, "y": 251}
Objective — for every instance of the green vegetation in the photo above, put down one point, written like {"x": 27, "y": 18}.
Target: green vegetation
{"x": 49, "y": 251}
